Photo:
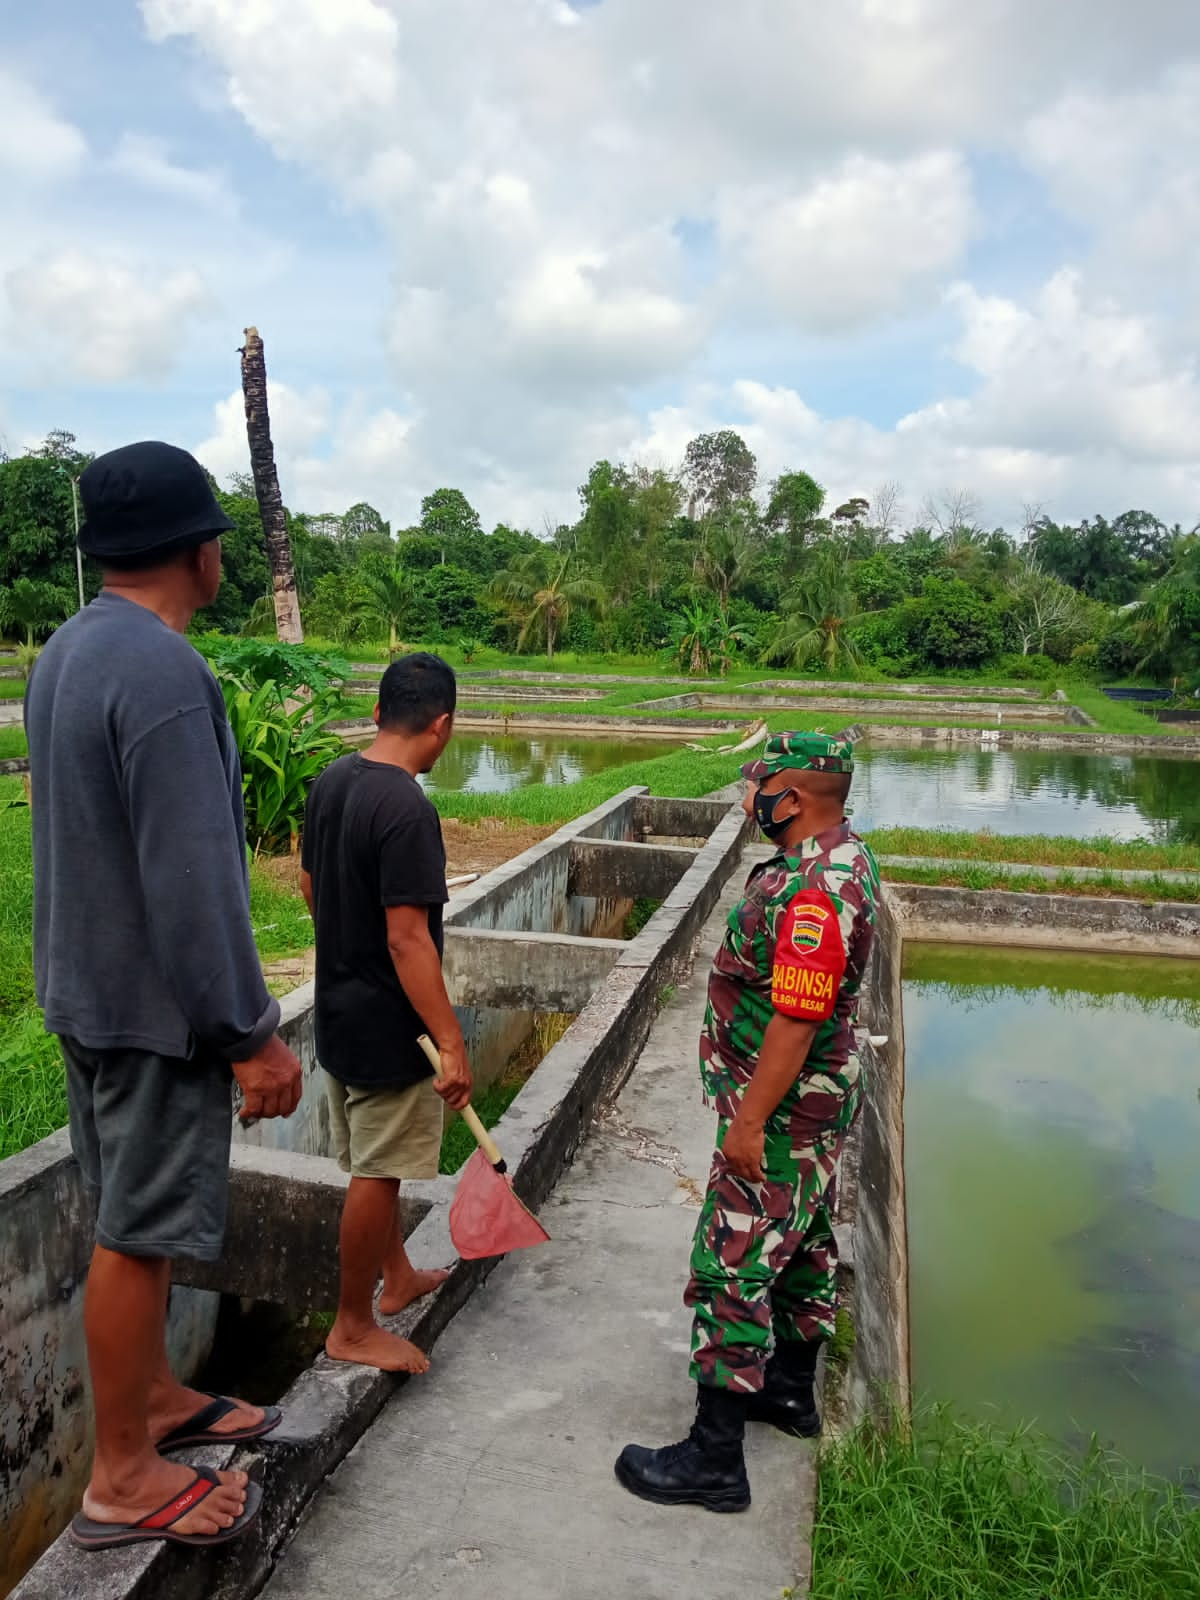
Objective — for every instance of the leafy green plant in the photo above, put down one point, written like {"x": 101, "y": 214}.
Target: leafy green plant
{"x": 470, "y": 649}
{"x": 282, "y": 751}
{"x": 258, "y": 662}
{"x": 36, "y": 608}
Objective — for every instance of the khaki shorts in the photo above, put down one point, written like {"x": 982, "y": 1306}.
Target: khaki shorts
{"x": 386, "y": 1133}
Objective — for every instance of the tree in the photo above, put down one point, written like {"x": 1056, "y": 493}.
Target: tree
{"x": 703, "y": 631}
{"x": 953, "y": 625}
{"x": 266, "y": 488}
{"x": 793, "y": 511}
{"x": 1166, "y": 627}
{"x": 542, "y": 589}
{"x": 726, "y": 550}
{"x": 386, "y": 601}
{"x": 885, "y": 503}
{"x": 718, "y": 467}
{"x": 450, "y": 519}
{"x": 362, "y": 520}
{"x": 816, "y": 617}
{"x": 1045, "y": 611}
{"x": 35, "y": 608}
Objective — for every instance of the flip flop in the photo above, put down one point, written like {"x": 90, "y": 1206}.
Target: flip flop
{"x": 198, "y": 1429}
{"x": 92, "y": 1535}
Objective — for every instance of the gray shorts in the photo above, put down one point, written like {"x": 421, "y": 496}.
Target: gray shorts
{"x": 152, "y": 1134}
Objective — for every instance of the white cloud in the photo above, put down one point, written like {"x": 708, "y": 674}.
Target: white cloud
{"x": 101, "y": 320}
{"x": 859, "y": 243}
{"x": 146, "y": 161}
{"x": 36, "y": 144}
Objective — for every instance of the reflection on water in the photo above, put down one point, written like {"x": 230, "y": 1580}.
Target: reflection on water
{"x": 1029, "y": 791}
{"x": 1052, "y": 1125}
{"x": 491, "y": 764}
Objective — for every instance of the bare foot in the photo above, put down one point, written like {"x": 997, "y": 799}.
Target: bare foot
{"x": 375, "y": 1347}
{"x": 170, "y": 1407}
{"x": 157, "y": 1483}
{"x": 408, "y": 1289}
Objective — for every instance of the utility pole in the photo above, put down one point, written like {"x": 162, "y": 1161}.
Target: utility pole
{"x": 78, "y": 551}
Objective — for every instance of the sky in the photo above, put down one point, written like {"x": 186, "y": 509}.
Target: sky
{"x": 944, "y": 246}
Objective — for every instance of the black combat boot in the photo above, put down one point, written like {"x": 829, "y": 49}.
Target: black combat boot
{"x": 705, "y": 1469}
{"x": 787, "y": 1399}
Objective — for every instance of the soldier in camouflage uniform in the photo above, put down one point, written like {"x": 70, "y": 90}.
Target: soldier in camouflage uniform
{"x": 778, "y": 1063}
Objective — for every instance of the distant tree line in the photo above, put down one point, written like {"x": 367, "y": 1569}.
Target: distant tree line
{"x": 706, "y": 563}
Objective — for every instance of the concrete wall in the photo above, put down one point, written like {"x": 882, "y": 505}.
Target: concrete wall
{"x": 747, "y": 704}
{"x": 45, "y": 1421}
{"x": 872, "y": 1209}
{"x": 1111, "y": 744}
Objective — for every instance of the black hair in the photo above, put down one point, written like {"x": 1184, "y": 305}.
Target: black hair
{"x": 414, "y": 692}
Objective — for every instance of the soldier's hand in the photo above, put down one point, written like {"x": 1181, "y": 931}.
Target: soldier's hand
{"x": 271, "y": 1081}
{"x": 743, "y": 1150}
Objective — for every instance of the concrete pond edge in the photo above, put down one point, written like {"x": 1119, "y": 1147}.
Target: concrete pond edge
{"x": 330, "y": 1405}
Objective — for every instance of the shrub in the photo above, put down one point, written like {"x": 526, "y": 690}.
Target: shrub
{"x": 282, "y": 751}
{"x": 289, "y": 667}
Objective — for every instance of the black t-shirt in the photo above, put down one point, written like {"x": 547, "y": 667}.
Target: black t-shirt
{"x": 371, "y": 840}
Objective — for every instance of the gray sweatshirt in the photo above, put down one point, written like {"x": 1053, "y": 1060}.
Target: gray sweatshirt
{"x": 141, "y": 916}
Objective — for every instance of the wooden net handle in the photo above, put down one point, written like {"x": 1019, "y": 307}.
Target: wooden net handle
{"x": 468, "y": 1113}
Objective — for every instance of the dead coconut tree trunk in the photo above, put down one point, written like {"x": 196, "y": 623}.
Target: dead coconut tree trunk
{"x": 266, "y": 486}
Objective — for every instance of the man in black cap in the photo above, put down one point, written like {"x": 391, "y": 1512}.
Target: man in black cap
{"x": 147, "y": 971}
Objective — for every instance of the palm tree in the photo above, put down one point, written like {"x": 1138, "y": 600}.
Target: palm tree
{"x": 266, "y": 488}
{"x": 816, "y": 617}
{"x": 35, "y": 607}
{"x": 542, "y": 589}
{"x": 702, "y": 632}
{"x": 386, "y": 601}
{"x": 1166, "y": 624}
{"x": 724, "y": 555}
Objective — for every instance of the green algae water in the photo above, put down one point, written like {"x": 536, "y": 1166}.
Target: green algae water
{"x": 1052, "y": 1161}
{"x": 1028, "y": 791}
{"x": 494, "y": 764}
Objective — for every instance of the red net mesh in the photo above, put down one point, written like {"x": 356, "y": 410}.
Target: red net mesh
{"x": 486, "y": 1217}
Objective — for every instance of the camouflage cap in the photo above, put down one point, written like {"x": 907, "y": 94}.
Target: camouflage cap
{"x": 802, "y": 752}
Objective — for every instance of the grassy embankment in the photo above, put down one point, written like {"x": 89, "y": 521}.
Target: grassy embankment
{"x": 952, "y": 1508}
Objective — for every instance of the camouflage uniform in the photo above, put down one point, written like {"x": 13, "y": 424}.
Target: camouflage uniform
{"x": 764, "y": 1257}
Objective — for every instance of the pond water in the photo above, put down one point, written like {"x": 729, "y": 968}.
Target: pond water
{"x": 1029, "y": 791}
{"x": 1052, "y": 1124}
{"x": 494, "y": 764}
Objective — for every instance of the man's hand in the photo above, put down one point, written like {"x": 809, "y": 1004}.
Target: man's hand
{"x": 454, "y": 1084}
{"x": 743, "y": 1149}
{"x": 271, "y": 1081}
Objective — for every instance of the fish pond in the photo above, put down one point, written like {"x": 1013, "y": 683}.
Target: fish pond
{"x": 1052, "y": 1124}
{"x": 495, "y": 764}
{"x": 1058, "y": 792}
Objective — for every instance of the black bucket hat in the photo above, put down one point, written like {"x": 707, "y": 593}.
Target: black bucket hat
{"x": 146, "y": 500}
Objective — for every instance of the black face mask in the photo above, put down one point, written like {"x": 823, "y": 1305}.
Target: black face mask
{"x": 765, "y": 807}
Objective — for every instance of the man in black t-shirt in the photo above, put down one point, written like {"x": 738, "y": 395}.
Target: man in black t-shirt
{"x": 374, "y": 876}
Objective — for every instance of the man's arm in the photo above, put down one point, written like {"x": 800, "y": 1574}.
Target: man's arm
{"x": 306, "y": 889}
{"x": 808, "y": 965}
{"x": 191, "y": 868}
{"x": 415, "y": 958}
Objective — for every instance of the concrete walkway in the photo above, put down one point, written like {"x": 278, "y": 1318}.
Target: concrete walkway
{"x": 492, "y": 1476}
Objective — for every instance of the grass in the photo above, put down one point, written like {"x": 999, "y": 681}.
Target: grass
{"x": 12, "y": 743}
{"x": 12, "y": 688}
{"x": 491, "y": 1103}
{"x": 951, "y": 1509}
{"x": 1037, "y": 849}
{"x": 1119, "y": 716}
{"x": 685, "y": 774}
{"x": 1107, "y": 887}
